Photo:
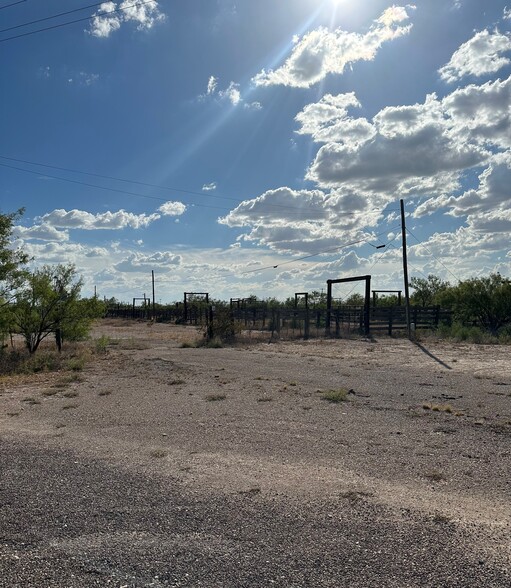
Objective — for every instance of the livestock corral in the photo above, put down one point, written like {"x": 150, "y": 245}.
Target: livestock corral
{"x": 361, "y": 462}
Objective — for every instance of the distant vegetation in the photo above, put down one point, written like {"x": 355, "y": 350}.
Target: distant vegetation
{"x": 47, "y": 302}
{"x": 40, "y": 303}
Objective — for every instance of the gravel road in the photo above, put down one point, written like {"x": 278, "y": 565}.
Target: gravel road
{"x": 170, "y": 466}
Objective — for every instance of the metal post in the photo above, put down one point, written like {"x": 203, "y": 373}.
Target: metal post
{"x": 154, "y": 312}
{"x": 367, "y": 306}
{"x": 328, "y": 307}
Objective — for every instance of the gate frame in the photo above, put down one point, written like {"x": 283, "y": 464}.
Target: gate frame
{"x": 367, "y": 301}
{"x": 185, "y": 301}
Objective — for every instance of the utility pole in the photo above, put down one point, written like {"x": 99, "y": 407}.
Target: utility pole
{"x": 154, "y": 312}
{"x": 405, "y": 268}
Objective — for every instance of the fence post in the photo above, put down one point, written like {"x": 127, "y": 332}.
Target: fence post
{"x": 390, "y": 320}
{"x": 306, "y": 325}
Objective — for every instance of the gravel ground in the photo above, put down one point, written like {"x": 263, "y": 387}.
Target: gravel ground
{"x": 170, "y": 466}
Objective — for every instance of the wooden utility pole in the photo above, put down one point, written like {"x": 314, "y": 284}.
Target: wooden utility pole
{"x": 154, "y": 311}
{"x": 405, "y": 268}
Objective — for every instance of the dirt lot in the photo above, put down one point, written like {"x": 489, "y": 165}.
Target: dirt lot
{"x": 169, "y": 466}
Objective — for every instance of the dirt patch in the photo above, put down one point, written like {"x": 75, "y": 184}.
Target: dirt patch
{"x": 424, "y": 430}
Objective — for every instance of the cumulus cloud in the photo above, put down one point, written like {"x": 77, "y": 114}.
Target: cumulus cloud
{"x": 481, "y": 55}
{"x": 80, "y": 219}
{"x": 137, "y": 262}
{"x": 409, "y": 149}
{"x": 328, "y": 120}
{"x": 303, "y": 220}
{"x": 42, "y": 232}
{"x": 172, "y": 208}
{"x": 421, "y": 150}
{"x": 209, "y": 187}
{"x": 322, "y": 52}
{"x": 111, "y": 15}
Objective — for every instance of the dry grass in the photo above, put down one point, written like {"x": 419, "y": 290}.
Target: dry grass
{"x": 439, "y": 408}
{"x": 215, "y": 397}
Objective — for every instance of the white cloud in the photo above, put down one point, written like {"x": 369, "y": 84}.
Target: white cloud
{"x": 327, "y": 120}
{"x": 481, "y": 55}
{"x": 172, "y": 208}
{"x": 231, "y": 93}
{"x": 209, "y": 187}
{"x": 137, "y": 262}
{"x": 110, "y": 16}
{"x": 80, "y": 219}
{"x": 507, "y": 13}
{"x": 410, "y": 149}
{"x": 322, "y": 52}
{"x": 212, "y": 84}
{"x": 253, "y": 105}
{"x": 42, "y": 232}
{"x": 303, "y": 221}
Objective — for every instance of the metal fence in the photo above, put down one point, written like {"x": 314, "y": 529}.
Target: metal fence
{"x": 290, "y": 323}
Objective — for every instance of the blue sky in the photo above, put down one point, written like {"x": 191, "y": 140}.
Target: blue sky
{"x": 211, "y": 140}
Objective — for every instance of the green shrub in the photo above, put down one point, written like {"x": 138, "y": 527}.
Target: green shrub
{"x": 335, "y": 396}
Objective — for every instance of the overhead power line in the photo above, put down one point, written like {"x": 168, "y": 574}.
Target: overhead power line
{"x": 12, "y": 4}
{"x": 26, "y": 24}
{"x": 285, "y": 208}
{"x": 87, "y": 184}
{"x": 330, "y": 249}
{"x": 432, "y": 255}
{"x": 70, "y": 22}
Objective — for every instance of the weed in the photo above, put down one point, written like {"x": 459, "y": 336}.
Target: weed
{"x": 188, "y": 345}
{"x": 265, "y": 399}
{"x": 104, "y": 392}
{"x": 60, "y": 425}
{"x": 70, "y": 406}
{"x": 30, "y": 400}
{"x": 158, "y": 453}
{"x": 76, "y": 364}
{"x": 215, "y": 397}
{"x": 49, "y": 392}
{"x": 293, "y": 384}
{"x": 176, "y": 382}
{"x": 70, "y": 394}
{"x": 335, "y": 396}
{"x": 437, "y": 407}
{"x": 11, "y": 414}
{"x": 101, "y": 344}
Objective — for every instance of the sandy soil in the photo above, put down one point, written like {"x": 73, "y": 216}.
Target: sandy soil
{"x": 418, "y": 457}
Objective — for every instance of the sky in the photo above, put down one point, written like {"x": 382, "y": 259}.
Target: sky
{"x": 243, "y": 147}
